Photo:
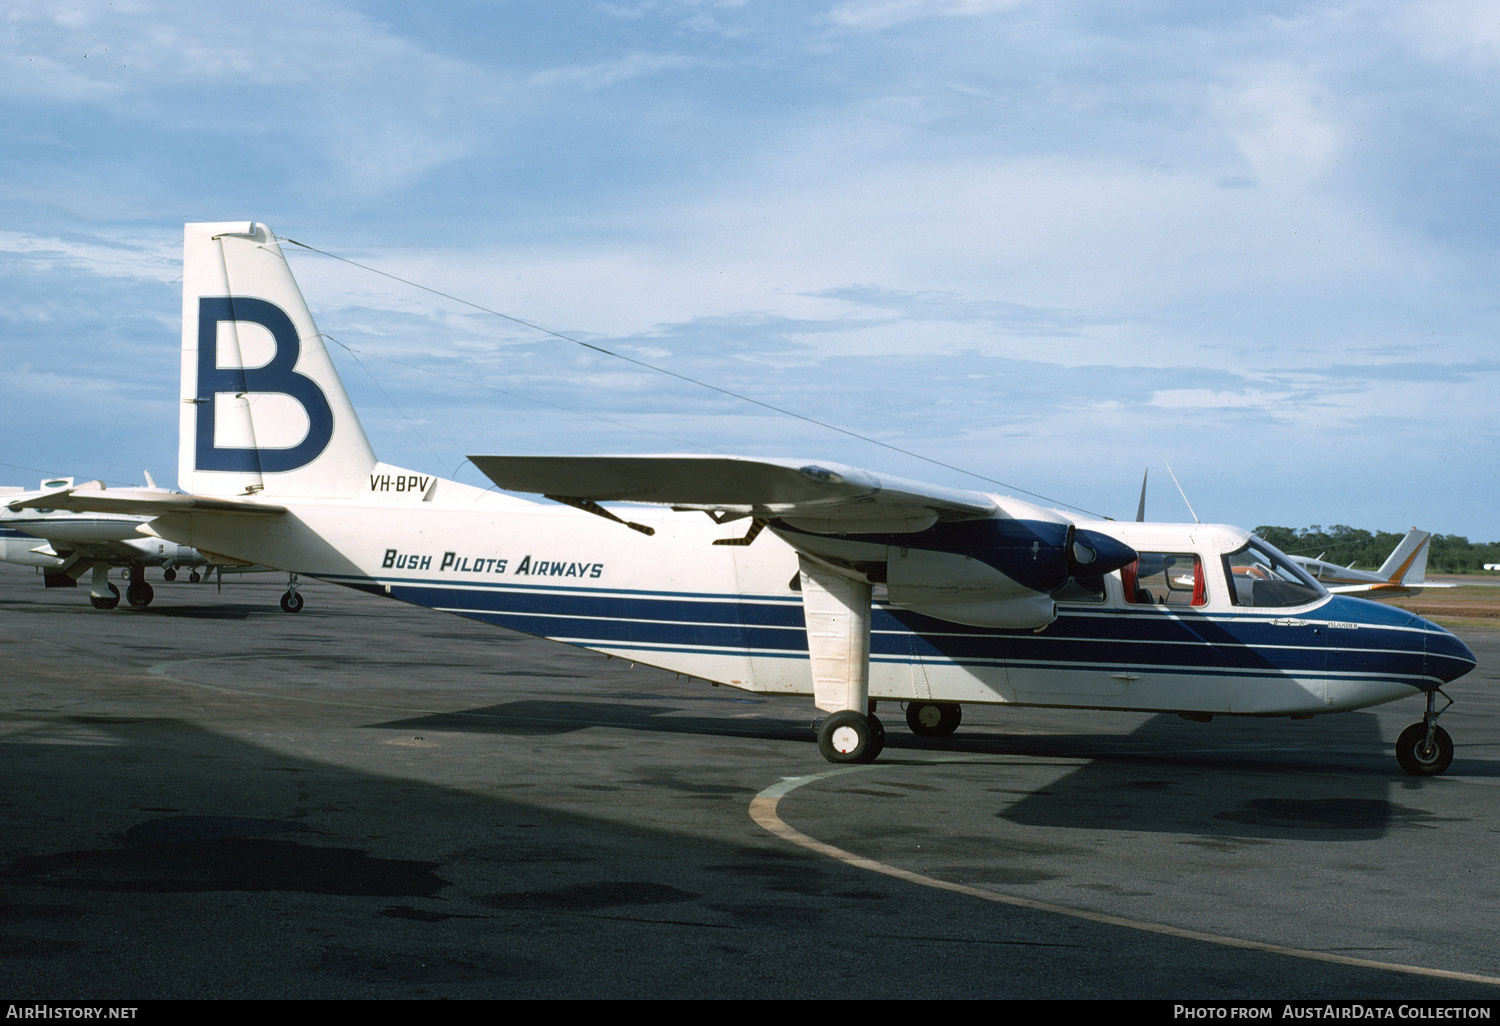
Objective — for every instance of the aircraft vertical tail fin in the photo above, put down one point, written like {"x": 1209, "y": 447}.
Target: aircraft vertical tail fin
{"x": 1407, "y": 565}
{"x": 263, "y": 409}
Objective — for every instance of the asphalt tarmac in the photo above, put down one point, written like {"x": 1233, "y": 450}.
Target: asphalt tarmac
{"x": 211, "y": 798}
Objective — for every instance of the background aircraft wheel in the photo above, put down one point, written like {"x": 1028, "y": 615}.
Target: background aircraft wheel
{"x": 169, "y": 574}
{"x": 1419, "y": 760}
{"x": 107, "y": 602}
{"x": 933, "y": 719}
{"x": 846, "y": 737}
{"x": 291, "y": 602}
{"x": 139, "y": 594}
{"x": 194, "y": 576}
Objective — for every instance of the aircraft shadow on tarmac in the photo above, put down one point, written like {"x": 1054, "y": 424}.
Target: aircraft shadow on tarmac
{"x": 193, "y": 864}
{"x": 543, "y": 718}
{"x": 1252, "y": 780}
{"x": 1326, "y": 781}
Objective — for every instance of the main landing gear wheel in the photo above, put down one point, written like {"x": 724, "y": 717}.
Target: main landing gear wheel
{"x": 933, "y": 719}
{"x": 139, "y": 594}
{"x": 1418, "y": 757}
{"x": 291, "y": 602}
{"x": 106, "y": 602}
{"x": 194, "y": 576}
{"x": 850, "y": 737}
{"x": 169, "y": 575}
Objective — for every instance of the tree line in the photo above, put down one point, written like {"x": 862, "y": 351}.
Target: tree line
{"x": 1448, "y": 553}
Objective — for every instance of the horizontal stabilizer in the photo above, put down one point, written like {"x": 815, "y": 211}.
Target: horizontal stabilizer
{"x": 826, "y": 498}
{"x": 1383, "y": 589}
{"x": 149, "y": 502}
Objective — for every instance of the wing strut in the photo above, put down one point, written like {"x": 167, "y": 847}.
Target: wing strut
{"x": 756, "y": 526}
{"x": 590, "y": 506}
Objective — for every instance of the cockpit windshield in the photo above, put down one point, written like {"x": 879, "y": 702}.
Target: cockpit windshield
{"x": 1260, "y": 576}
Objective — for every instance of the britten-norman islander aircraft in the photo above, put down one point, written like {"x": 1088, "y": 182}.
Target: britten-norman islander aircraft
{"x": 803, "y": 578}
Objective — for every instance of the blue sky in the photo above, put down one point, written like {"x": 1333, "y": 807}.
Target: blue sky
{"x": 1053, "y": 244}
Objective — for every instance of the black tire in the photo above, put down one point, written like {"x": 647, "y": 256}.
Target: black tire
{"x": 933, "y": 719}
{"x": 1418, "y": 760}
{"x": 106, "y": 603}
{"x": 877, "y": 738}
{"x": 845, "y": 737}
{"x": 291, "y": 603}
{"x": 194, "y": 576}
{"x": 140, "y": 594}
{"x": 169, "y": 575}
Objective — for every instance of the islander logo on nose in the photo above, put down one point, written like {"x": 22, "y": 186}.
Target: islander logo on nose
{"x": 275, "y": 376}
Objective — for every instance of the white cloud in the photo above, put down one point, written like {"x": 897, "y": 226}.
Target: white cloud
{"x": 1205, "y": 399}
{"x": 1278, "y": 117}
{"x": 145, "y": 259}
{"x": 874, "y": 15}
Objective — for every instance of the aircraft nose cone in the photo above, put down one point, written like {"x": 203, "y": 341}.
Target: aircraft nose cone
{"x": 1095, "y": 553}
{"x": 1445, "y": 657}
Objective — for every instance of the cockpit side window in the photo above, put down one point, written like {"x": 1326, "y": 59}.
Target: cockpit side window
{"x": 1262, "y": 577}
{"x": 1165, "y": 579}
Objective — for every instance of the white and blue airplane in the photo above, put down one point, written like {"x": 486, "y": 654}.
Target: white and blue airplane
{"x": 68, "y": 545}
{"x": 1404, "y": 571}
{"x": 804, "y": 578}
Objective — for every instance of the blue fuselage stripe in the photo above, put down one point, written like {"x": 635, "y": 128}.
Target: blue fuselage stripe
{"x": 1373, "y": 642}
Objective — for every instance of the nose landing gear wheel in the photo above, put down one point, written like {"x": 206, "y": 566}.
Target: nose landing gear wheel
{"x": 291, "y": 602}
{"x": 1419, "y": 758}
{"x": 849, "y": 737}
{"x": 933, "y": 719}
{"x": 106, "y": 601}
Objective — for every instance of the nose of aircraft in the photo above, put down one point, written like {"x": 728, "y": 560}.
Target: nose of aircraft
{"x": 1445, "y": 657}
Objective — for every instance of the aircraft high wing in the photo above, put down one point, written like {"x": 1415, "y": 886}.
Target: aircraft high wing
{"x": 71, "y": 531}
{"x": 826, "y": 498}
{"x": 1403, "y": 573}
{"x": 803, "y": 578}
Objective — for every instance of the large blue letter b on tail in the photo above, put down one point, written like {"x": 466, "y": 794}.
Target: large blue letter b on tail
{"x": 276, "y": 376}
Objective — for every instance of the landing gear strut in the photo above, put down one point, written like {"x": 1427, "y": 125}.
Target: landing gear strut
{"x": 1425, "y": 749}
{"x": 291, "y": 602}
{"x": 836, "y": 609}
{"x": 139, "y": 593}
{"x": 102, "y": 594}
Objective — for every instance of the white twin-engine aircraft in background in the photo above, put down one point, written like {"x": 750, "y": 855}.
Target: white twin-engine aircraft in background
{"x": 804, "y": 578}
{"x": 68, "y": 545}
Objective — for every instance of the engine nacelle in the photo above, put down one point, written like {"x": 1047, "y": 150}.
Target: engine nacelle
{"x": 998, "y": 572}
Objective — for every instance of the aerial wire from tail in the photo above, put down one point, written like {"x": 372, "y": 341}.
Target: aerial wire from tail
{"x": 683, "y": 377}
{"x": 513, "y": 395}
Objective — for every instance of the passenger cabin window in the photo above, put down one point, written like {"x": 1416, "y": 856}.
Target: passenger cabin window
{"x": 1165, "y": 579}
{"x": 1262, "y": 577}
